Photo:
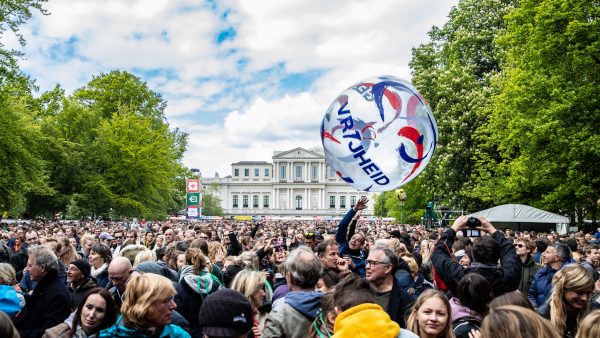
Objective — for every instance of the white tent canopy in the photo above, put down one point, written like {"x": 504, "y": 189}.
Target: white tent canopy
{"x": 519, "y": 213}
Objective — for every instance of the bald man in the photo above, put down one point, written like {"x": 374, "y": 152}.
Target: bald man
{"x": 119, "y": 272}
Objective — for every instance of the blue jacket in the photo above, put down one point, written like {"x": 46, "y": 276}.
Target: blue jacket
{"x": 359, "y": 257}
{"x": 541, "y": 286}
{"x": 119, "y": 331}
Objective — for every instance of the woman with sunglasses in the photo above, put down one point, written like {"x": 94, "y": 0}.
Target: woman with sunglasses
{"x": 529, "y": 267}
{"x": 570, "y": 299}
{"x": 255, "y": 287}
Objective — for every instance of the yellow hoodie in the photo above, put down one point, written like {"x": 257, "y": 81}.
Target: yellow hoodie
{"x": 364, "y": 321}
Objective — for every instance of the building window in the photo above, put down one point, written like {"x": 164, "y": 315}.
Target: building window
{"x": 265, "y": 201}
{"x": 342, "y": 202}
{"x": 255, "y": 201}
{"x": 236, "y": 172}
{"x": 246, "y": 172}
{"x": 352, "y": 201}
{"x": 256, "y": 172}
{"x": 235, "y": 201}
{"x": 331, "y": 172}
{"x": 282, "y": 171}
{"x": 314, "y": 172}
{"x": 298, "y": 202}
{"x": 332, "y": 202}
{"x": 267, "y": 173}
{"x": 245, "y": 201}
{"x": 298, "y": 172}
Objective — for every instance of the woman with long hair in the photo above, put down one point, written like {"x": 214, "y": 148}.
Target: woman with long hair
{"x": 147, "y": 310}
{"x": 570, "y": 299}
{"x": 95, "y": 312}
{"x": 254, "y": 285}
{"x": 590, "y": 325}
{"x": 512, "y": 321}
{"x": 431, "y": 316}
{"x": 195, "y": 284}
{"x": 66, "y": 252}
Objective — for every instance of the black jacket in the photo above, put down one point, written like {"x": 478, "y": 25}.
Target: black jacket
{"x": 190, "y": 297}
{"x": 48, "y": 306}
{"x": 77, "y": 295}
{"x": 400, "y": 304}
{"x": 504, "y": 279}
{"x": 19, "y": 260}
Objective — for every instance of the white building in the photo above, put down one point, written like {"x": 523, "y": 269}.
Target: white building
{"x": 297, "y": 183}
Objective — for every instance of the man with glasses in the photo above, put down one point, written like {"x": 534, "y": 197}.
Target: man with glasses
{"x": 529, "y": 267}
{"x": 351, "y": 244}
{"x": 380, "y": 266}
{"x": 19, "y": 260}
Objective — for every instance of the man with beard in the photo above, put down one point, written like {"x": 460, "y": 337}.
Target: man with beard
{"x": 353, "y": 247}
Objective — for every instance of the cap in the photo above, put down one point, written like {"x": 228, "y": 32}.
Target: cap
{"x": 83, "y": 266}
{"x": 460, "y": 254}
{"x": 106, "y": 235}
{"x": 226, "y": 313}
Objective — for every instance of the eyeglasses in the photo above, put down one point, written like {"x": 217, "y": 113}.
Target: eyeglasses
{"x": 375, "y": 263}
{"x": 519, "y": 245}
{"x": 166, "y": 301}
{"x": 118, "y": 237}
{"x": 309, "y": 234}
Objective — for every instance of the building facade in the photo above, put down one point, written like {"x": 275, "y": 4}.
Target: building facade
{"x": 297, "y": 183}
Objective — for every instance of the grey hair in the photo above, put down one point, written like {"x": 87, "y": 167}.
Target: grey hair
{"x": 563, "y": 251}
{"x": 44, "y": 256}
{"x": 304, "y": 266}
{"x": 389, "y": 255}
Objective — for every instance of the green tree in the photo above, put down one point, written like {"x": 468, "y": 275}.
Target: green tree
{"x": 453, "y": 72}
{"x": 23, "y": 170}
{"x": 211, "y": 202}
{"x": 109, "y": 92}
{"x": 546, "y": 115}
{"x": 138, "y": 165}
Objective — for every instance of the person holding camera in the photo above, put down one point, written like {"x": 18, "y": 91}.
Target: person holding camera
{"x": 487, "y": 251}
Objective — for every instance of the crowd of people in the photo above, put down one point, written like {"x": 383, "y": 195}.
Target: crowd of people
{"x": 264, "y": 279}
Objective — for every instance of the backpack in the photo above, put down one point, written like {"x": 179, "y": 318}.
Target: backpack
{"x": 461, "y": 327}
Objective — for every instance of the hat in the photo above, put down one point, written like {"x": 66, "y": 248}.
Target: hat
{"x": 396, "y": 234}
{"x": 83, "y": 266}
{"x": 106, "y": 235}
{"x": 460, "y": 254}
{"x": 157, "y": 268}
{"x": 226, "y": 313}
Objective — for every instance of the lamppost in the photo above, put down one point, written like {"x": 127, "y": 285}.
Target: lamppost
{"x": 401, "y": 194}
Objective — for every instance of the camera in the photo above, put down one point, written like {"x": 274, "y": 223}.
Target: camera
{"x": 472, "y": 224}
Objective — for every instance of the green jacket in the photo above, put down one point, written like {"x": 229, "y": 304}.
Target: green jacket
{"x": 528, "y": 270}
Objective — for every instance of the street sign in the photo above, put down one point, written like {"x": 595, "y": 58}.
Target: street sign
{"x": 192, "y": 185}
{"x": 192, "y": 198}
{"x": 193, "y": 212}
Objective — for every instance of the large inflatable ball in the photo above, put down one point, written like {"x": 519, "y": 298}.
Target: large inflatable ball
{"x": 379, "y": 134}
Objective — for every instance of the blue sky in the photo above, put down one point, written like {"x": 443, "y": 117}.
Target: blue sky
{"x": 243, "y": 78}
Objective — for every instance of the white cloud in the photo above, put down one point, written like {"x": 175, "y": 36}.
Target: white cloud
{"x": 171, "y": 45}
